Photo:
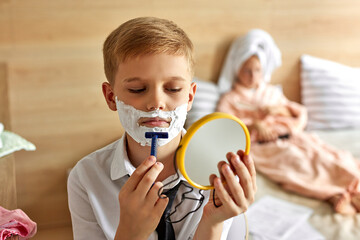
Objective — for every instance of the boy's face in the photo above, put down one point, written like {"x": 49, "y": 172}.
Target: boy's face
{"x": 150, "y": 82}
{"x": 250, "y": 73}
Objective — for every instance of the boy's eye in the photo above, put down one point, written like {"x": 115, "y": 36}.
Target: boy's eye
{"x": 136, "y": 90}
{"x": 174, "y": 90}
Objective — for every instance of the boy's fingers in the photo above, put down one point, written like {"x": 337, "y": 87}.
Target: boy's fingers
{"x": 219, "y": 166}
{"x": 244, "y": 175}
{"x": 236, "y": 190}
{"x": 249, "y": 163}
{"x": 230, "y": 155}
{"x": 211, "y": 179}
{"x": 223, "y": 195}
{"x": 153, "y": 194}
{"x": 160, "y": 206}
{"x": 148, "y": 179}
{"x": 139, "y": 173}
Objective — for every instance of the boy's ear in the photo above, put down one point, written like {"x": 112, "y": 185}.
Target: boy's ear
{"x": 191, "y": 95}
{"x": 109, "y": 95}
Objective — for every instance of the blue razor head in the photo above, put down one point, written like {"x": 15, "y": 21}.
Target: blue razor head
{"x": 157, "y": 134}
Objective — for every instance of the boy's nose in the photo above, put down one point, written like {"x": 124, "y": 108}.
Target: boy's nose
{"x": 153, "y": 108}
{"x": 155, "y": 103}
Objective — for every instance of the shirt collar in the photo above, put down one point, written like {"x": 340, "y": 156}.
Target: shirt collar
{"x": 173, "y": 180}
{"x": 121, "y": 165}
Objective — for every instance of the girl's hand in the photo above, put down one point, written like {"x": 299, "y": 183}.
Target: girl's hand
{"x": 276, "y": 111}
{"x": 265, "y": 134}
{"x": 140, "y": 206}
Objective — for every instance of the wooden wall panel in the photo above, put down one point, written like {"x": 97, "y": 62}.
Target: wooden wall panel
{"x": 53, "y": 50}
{"x": 4, "y": 96}
{"x": 66, "y": 120}
{"x": 7, "y": 163}
{"x": 7, "y": 182}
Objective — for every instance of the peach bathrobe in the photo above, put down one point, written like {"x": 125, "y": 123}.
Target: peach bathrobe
{"x": 301, "y": 163}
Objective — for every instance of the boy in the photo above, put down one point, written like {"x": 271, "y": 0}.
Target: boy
{"x": 113, "y": 192}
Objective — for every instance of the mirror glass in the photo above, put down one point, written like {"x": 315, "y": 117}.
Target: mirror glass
{"x": 206, "y": 143}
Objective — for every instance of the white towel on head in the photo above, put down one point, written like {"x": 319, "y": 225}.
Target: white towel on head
{"x": 255, "y": 42}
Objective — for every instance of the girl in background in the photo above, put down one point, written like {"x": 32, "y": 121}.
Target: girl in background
{"x": 297, "y": 160}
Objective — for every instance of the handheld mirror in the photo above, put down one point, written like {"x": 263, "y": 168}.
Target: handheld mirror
{"x": 206, "y": 143}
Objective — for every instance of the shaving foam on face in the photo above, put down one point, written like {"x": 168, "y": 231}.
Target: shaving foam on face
{"x": 129, "y": 117}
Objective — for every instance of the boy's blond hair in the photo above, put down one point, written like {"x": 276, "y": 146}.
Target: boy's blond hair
{"x": 143, "y": 36}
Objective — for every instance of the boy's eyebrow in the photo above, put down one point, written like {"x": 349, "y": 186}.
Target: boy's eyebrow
{"x": 177, "y": 78}
{"x": 132, "y": 79}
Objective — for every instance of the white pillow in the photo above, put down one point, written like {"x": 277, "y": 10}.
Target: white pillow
{"x": 331, "y": 93}
{"x": 206, "y": 98}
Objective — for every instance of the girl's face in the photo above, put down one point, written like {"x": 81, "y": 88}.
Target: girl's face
{"x": 250, "y": 73}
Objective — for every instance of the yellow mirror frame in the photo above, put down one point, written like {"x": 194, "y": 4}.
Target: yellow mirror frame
{"x": 180, "y": 154}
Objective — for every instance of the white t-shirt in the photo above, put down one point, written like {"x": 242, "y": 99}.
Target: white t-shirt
{"x": 93, "y": 188}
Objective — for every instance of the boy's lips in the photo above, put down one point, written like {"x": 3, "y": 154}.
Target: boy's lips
{"x": 154, "y": 122}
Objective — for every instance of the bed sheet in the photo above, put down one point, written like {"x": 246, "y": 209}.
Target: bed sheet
{"x": 348, "y": 139}
{"x": 332, "y": 225}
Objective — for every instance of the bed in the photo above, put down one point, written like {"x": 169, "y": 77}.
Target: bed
{"x": 331, "y": 225}
{"x": 342, "y": 87}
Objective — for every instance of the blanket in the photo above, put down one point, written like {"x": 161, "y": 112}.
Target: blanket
{"x": 302, "y": 162}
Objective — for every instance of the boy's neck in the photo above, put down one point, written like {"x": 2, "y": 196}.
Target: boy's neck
{"x": 165, "y": 154}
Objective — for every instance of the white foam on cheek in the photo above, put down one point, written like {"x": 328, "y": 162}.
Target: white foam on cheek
{"x": 129, "y": 117}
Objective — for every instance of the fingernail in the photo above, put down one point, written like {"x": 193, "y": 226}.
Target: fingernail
{"x": 163, "y": 196}
{"x": 241, "y": 153}
{"x": 217, "y": 182}
{"x": 151, "y": 159}
{"x": 159, "y": 164}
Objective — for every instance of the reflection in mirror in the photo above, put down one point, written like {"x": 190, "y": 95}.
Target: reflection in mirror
{"x": 206, "y": 143}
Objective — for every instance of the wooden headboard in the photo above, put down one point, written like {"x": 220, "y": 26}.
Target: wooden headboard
{"x": 54, "y": 59}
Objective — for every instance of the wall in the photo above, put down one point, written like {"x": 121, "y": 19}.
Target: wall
{"x": 53, "y": 53}
{"x": 7, "y": 163}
